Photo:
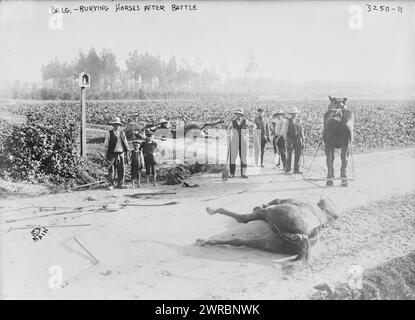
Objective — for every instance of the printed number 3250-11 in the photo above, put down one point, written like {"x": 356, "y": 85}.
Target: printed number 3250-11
{"x": 371, "y": 8}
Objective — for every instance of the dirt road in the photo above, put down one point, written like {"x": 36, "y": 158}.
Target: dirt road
{"x": 108, "y": 247}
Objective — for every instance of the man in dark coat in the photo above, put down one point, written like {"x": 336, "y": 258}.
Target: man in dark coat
{"x": 116, "y": 146}
{"x": 295, "y": 141}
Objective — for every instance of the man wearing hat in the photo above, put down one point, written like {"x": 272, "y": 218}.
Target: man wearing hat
{"x": 279, "y": 130}
{"x": 116, "y": 146}
{"x": 295, "y": 141}
{"x": 261, "y": 136}
{"x": 239, "y": 139}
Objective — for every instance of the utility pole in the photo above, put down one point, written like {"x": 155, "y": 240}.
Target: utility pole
{"x": 84, "y": 82}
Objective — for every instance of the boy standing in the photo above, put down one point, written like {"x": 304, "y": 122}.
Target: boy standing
{"x": 149, "y": 148}
{"x": 279, "y": 130}
{"x": 136, "y": 164}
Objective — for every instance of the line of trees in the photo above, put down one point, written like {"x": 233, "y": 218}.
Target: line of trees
{"x": 145, "y": 76}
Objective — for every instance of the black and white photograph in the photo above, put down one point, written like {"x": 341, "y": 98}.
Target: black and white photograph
{"x": 207, "y": 150}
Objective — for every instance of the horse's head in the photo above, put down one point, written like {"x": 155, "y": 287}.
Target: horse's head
{"x": 328, "y": 208}
{"x": 337, "y": 103}
{"x": 336, "y": 108}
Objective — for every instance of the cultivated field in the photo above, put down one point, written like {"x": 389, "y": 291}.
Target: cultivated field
{"x": 379, "y": 124}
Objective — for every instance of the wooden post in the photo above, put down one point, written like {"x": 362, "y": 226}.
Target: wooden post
{"x": 83, "y": 123}
{"x": 217, "y": 151}
{"x": 206, "y": 150}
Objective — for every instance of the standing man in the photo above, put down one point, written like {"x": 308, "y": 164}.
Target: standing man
{"x": 116, "y": 146}
{"x": 279, "y": 130}
{"x": 239, "y": 138}
{"x": 295, "y": 141}
{"x": 261, "y": 136}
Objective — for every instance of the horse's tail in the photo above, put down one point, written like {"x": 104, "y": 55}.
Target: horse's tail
{"x": 301, "y": 241}
{"x": 313, "y": 236}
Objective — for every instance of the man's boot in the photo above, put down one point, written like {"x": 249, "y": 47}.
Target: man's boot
{"x": 232, "y": 168}
{"x": 243, "y": 172}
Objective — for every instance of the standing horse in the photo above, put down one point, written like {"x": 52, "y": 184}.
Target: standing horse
{"x": 337, "y": 134}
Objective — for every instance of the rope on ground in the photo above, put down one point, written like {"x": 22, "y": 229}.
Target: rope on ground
{"x": 351, "y": 156}
{"x": 149, "y": 205}
{"x": 312, "y": 161}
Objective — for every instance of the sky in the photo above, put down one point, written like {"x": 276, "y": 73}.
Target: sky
{"x": 297, "y": 40}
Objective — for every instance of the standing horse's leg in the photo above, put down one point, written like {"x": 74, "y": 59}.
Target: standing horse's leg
{"x": 242, "y": 218}
{"x": 344, "y": 155}
{"x": 329, "y": 162}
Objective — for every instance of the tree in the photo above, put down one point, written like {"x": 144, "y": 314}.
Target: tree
{"x": 251, "y": 66}
{"x": 109, "y": 69}
{"x": 80, "y": 64}
{"x": 145, "y": 67}
{"x": 171, "y": 71}
{"x": 93, "y": 67}
{"x": 51, "y": 71}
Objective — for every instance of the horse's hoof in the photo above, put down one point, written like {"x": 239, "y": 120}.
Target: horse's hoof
{"x": 257, "y": 208}
{"x": 329, "y": 183}
{"x": 200, "y": 242}
{"x": 344, "y": 184}
{"x": 210, "y": 211}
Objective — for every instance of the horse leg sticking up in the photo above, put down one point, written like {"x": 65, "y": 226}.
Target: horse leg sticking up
{"x": 241, "y": 218}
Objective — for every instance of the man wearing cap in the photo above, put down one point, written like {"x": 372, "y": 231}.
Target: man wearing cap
{"x": 261, "y": 136}
{"x": 295, "y": 141}
{"x": 239, "y": 138}
{"x": 116, "y": 146}
{"x": 279, "y": 130}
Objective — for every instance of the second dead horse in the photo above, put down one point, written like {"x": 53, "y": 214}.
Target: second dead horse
{"x": 293, "y": 226}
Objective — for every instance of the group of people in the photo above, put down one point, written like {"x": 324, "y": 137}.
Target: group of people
{"x": 118, "y": 154}
{"x": 285, "y": 129}
{"x": 287, "y": 134}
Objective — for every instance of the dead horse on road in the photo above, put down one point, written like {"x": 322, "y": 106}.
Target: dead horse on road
{"x": 294, "y": 226}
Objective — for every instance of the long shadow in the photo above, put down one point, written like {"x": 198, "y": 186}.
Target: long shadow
{"x": 288, "y": 189}
{"x": 220, "y": 253}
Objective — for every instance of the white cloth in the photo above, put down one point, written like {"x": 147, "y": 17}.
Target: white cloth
{"x": 280, "y": 128}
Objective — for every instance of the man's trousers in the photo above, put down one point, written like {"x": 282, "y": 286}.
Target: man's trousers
{"x": 279, "y": 148}
{"x": 294, "y": 144}
{"x": 118, "y": 166}
{"x": 239, "y": 146}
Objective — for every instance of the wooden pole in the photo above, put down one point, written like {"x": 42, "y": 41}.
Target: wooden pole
{"x": 206, "y": 150}
{"x": 217, "y": 152}
{"x": 83, "y": 123}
